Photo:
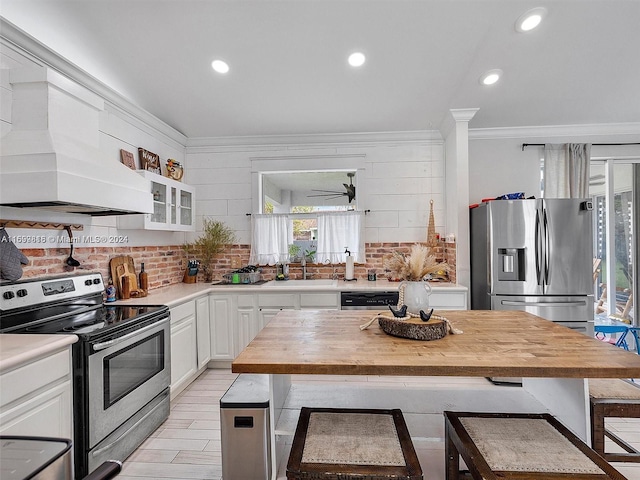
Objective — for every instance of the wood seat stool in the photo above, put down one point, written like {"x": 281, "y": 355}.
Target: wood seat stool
{"x": 362, "y": 444}
{"x": 518, "y": 446}
{"x": 613, "y": 398}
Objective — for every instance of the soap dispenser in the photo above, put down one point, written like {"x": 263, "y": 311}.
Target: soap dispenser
{"x": 348, "y": 274}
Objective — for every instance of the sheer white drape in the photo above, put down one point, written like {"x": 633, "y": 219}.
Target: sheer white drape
{"x": 566, "y": 170}
{"x": 337, "y": 230}
{"x": 271, "y": 236}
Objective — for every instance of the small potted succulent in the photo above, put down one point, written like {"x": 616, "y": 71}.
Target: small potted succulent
{"x": 310, "y": 255}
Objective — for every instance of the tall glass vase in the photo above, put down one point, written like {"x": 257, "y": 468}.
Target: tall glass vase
{"x": 416, "y": 296}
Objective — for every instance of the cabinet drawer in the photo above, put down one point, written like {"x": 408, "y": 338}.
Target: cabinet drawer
{"x": 448, "y": 301}
{"x": 278, "y": 300}
{"x": 319, "y": 300}
{"x": 246, "y": 300}
{"x": 34, "y": 376}
{"x": 47, "y": 414}
{"x": 180, "y": 312}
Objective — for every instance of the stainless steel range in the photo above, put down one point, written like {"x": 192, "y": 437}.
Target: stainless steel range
{"x": 121, "y": 363}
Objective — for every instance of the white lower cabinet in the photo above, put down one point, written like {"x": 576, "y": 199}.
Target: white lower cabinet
{"x": 36, "y": 398}
{"x": 190, "y": 342}
{"x": 237, "y": 318}
{"x": 320, "y": 301}
{"x": 222, "y": 318}
{"x": 247, "y": 321}
{"x": 452, "y": 300}
{"x": 184, "y": 353}
{"x": 266, "y": 314}
{"x": 269, "y": 304}
{"x": 203, "y": 331}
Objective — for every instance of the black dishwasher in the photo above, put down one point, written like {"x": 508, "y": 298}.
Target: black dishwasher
{"x": 368, "y": 300}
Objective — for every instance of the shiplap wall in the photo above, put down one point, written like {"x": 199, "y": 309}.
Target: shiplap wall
{"x": 395, "y": 181}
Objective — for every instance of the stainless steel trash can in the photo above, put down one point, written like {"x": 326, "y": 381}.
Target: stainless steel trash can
{"x": 245, "y": 429}
{"x": 37, "y": 458}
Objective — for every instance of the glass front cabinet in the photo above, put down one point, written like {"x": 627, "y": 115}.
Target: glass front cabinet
{"x": 173, "y": 206}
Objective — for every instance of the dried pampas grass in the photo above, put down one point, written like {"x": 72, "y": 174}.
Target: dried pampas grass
{"x": 415, "y": 266}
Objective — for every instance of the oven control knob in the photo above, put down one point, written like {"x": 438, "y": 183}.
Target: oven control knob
{"x": 22, "y": 293}
{"x": 87, "y": 283}
{"x": 96, "y": 281}
{"x": 8, "y": 295}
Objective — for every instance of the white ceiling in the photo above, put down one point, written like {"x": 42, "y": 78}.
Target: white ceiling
{"x": 288, "y": 61}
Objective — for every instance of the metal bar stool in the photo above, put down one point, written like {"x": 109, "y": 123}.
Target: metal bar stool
{"x": 635, "y": 333}
{"x": 623, "y": 330}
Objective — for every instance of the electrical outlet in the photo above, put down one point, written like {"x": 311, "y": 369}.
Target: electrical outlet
{"x": 235, "y": 262}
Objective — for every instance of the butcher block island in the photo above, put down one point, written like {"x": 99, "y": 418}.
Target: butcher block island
{"x": 297, "y": 348}
{"x": 493, "y": 343}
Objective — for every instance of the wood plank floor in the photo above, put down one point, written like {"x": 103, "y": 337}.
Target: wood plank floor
{"x": 187, "y": 445}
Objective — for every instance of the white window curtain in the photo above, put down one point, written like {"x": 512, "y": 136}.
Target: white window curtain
{"x": 337, "y": 230}
{"x": 270, "y": 239}
{"x": 566, "y": 170}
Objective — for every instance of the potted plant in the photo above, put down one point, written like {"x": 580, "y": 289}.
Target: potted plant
{"x": 412, "y": 270}
{"x": 309, "y": 255}
{"x": 212, "y": 241}
{"x": 294, "y": 251}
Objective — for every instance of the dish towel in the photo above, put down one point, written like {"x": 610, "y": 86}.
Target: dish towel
{"x": 11, "y": 259}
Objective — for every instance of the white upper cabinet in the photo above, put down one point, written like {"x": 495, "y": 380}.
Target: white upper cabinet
{"x": 173, "y": 206}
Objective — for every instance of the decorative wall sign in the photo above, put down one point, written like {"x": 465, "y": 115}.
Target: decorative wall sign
{"x": 127, "y": 159}
{"x": 174, "y": 169}
{"x": 149, "y": 161}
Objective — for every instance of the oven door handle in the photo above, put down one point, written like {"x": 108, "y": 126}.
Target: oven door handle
{"x": 102, "y": 345}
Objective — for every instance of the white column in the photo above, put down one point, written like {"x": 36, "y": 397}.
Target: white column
{"x": 456, "y": 135}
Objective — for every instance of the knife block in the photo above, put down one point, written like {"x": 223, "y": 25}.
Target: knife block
{"x": 189, "y": 278}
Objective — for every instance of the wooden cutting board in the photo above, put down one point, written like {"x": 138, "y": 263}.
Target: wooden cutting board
{"x": 121, "y": 266}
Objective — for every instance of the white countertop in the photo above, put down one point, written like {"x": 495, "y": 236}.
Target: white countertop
{"x": 182, "y": 292}
{"x": 20, "y": 349}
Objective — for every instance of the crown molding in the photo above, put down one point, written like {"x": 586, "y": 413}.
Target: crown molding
{"x": 552, "y": 131}
{"x": 18, "y": 40}
{"x": 314, "y": 140}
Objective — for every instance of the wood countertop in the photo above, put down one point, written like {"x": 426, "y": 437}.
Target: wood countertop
{"x": 494, "y": 343}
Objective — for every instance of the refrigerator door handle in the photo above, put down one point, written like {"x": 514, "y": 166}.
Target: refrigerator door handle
{"x": 547, "y": 246}
{"x": 516, "y": 303}
{"x": 538, "y": 247}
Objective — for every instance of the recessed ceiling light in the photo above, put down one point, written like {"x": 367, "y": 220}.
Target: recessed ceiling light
{"x": 490, "y": 77}
{"x": 357, "y": 59}
{"x": 220, "y": 66}
{"x": 530, "y": 19}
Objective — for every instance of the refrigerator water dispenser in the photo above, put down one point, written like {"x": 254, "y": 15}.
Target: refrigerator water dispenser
{"x": 511, "y": 264}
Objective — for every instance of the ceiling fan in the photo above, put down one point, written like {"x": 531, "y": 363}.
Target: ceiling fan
{"x": 350, "y": 190}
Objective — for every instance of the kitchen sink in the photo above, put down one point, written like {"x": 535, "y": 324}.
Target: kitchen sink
{"x": 320, "y": 282}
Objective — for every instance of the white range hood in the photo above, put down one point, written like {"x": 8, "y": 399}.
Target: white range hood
{"x": 51, "y": 158}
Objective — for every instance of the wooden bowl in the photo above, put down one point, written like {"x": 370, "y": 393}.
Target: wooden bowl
{"x": 414, "y": 328}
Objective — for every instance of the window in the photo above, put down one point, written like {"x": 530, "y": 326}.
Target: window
{"x": 612, "y": 188}
{"x": 305, "y": 198}
{"x": 307, "y": 191}
{"x": 323, "y": 237}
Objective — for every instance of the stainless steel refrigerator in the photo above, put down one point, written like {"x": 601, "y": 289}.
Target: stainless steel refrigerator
{"x": 534, "y": 255}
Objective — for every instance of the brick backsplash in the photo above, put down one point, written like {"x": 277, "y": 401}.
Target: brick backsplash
{"x": 166, "y": 265}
